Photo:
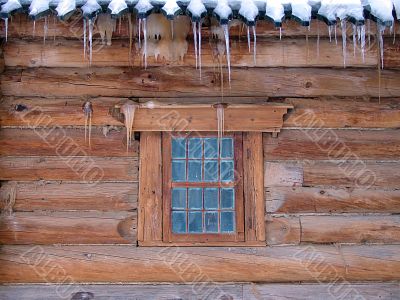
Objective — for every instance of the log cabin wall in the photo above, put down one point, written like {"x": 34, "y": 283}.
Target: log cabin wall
{"x": 332, "y": 176}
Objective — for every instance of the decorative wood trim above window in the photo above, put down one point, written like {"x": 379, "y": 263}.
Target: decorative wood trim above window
{"x": 267, "y": 117}
{"x": 154, "y": 226}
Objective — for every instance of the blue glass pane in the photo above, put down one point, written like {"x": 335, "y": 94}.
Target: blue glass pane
{"x": 178, "y": 170}
{"x": 227, "y": 173}
{"x": 195, "y": 198}
{"x": 178, "y": 221}
{"x": 227, "y": 198}
{"x": 211, "y": 170}
{"x": 194, "y": 170}
{"x": 211, "y": 221}
{"x": 211, "y": 148}
{"x": 195, "y": 222}
{"x": 227, "y": 221}
{"x": 195, "y": 148}
{"x": 178, "y": 148}
{"x": 211, "y": 198}
{"x": 179, "y": 198}
{"x": 227, "y": 148}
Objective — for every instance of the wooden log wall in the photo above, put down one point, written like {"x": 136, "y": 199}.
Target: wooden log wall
{"x": 331, "y": 177}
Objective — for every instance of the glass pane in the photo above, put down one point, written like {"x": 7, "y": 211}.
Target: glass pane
{"x": 195, "y": 222}
{"x": 195, "y": 198}
{"x": 179, "y": 198}
{"x": 227, "y": 170}
{"x": 211, "y": 170}
{"x": 211, "y": 221}
{"x": 211, "y": 148}
{"x": 179, "y": 148}
{"x": 227, "y": 221}
{"x": 178, "y": 170}
{"x": 227, "y": 148}
{"x": 227, "y": 198}
{"x": 178, "y": 221}
{"x": 194, "y": 170}
{"x": 195, "y": 148}
{"x": 211, "y": 198}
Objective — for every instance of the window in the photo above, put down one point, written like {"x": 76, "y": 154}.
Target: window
{"x": 203, "y": 188}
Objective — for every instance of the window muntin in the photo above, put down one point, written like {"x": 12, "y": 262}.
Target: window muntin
{"x": 204, "y": 194}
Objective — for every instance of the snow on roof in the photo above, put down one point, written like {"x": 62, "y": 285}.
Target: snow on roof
{"x": 249, "y": 11}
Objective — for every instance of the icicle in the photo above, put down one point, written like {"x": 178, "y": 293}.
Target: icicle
{"x": 369, "y": 33}
{"x": 195, "y": 41}
{"x": 280, "y": 33}
{"x": 128, "y": 110}
{"x": 172, "y": 28}
{"x": 336, "y": 35}
{"x": 130, "y": 30}
{"x": 54, "y": 28}
{"x": 139, "y": 32}
{"x": 84, "y": 38}
{"x": 248, "y": 38}
{"x": 344, "y": 40}
{"x": 330, "y": 33}
{"x": 254, "y": 44}
{"x": 145, "y": 42}
{"x": 88, "y": 112}
{"x": 362, "y": 39}
{"x": 394, "y": 32}
{"x": 6, "y": 28}
{"x": 220, "y": 123}
{"x": 381, "y": 30}
{"x": 119, "y": 24}
{"x": 34, "y": 28}
{"x": 90, "y": 41}
{"x": 199, "y": 35}
{"x": 45, "y": 27}
{"x": 228, "y": 55}
{"x": 354, "y": 39}
{"x": 318, "y": 39}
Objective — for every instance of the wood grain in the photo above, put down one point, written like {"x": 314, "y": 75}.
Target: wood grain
{"x": 59, "y": 196}
{"x": 331, "y": 200}
{"x": 283, "y": 230}
{"x": 46, "y": 142}
{"x": 333, "y": 144}
{"x": 151, "y": 187}
{"x": 142, "y": 264}
{"x": 81, "y": 168}
{"x": 183, "y": 82}
{"x": 68, "y": 228}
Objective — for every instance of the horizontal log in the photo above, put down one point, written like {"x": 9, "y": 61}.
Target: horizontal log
{"x": 350, "y": 229}
{"x": 330, "y": 144}
{"x": 238, "y": 291}
{"x": 307, "y": 113}
{"x": 184, "y": 82}
{"x": 82, "y": 168}
{"x": 340, "y": 173}
{"x": 68, "y": 228}
{"x": 55, "y": 196}
{"x": 372, "y": 291}
{"x": 270, "y": 53}
{"x": 45, "y": 142}
{"x": 343, "y": 113}
{"x": 22, "y": 27}
{"x": 56, "y": 264}
{"x": 331, "y": 200}
{"x": 283, "y": 230}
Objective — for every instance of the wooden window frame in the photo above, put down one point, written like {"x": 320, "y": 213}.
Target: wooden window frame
{"x": 154, "y": 196}
{"x": 168, "y": 235}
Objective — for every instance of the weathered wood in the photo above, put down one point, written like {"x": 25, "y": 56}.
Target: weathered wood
{"x": 340, "y": 173}
{"x": 181, "y": 81}
{"x": 281, "y": 230}
{"x": 46, "y": 142}
{"x": 270, "y": 53}
{"x": 82, "y": 168}
{"x": 68, "y": 228}
{"x": 343, "y": 113}
{"x": 55, "y": 196}
{"x": 151, "y": 186}
{"x": 332, "y": 291}
{"x": 238, "y": 291}
{"x": 333, "y": 144}
{"x": 331, "y": 200}
{"x": 350, "y": 229}
{"x": 143, "y": 264}
{"x": 253, "y": 186}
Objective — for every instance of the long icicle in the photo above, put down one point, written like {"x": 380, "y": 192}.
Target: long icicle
{"x": 6, "y": 28}
{"x": 84, "y": 39}
{"x": 248, "y": 38}
{"x": 195, "y": 42}
{"x": 344, "y": 40}
{"x": 228, "y": 53}
{"x": 139, "y": 33}
{"x": 88, "y": 112}
{"x": 45, "y": 27}
{"x": 130, "y": 27}
{"x": 199, "y": 45}
{"x": 254, "y": 45}
{"x": 145, "y": 42}
{"x": 90, "y": 41}
{"x": 128, "y": 110}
